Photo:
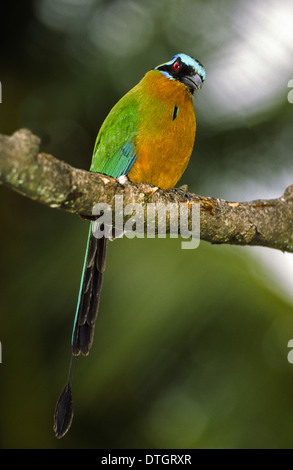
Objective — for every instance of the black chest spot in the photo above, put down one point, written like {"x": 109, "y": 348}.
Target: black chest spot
{"x": 175, "y": 112}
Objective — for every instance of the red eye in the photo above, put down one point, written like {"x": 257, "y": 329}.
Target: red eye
{"x": 176, "y": 66}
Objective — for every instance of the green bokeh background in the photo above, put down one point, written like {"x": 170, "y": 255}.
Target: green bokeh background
{"x": 191, "y": 346}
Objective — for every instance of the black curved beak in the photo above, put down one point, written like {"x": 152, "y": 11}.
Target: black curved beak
{"x": 194, "y": 82}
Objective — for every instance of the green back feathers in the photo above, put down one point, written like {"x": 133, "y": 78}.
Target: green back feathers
{"x": 114, "y": 151}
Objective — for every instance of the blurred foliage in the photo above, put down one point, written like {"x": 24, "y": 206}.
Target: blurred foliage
{"x": 190, "y": 347}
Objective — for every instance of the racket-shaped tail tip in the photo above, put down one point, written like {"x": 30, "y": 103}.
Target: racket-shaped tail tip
{"x": 63, "y": 412}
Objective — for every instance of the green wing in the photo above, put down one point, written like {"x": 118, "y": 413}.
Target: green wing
{"x": 114, "y": 151}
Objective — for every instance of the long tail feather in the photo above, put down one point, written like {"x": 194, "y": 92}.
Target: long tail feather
{"x": 89, "y": 295}
{"x": 84, "y": 324}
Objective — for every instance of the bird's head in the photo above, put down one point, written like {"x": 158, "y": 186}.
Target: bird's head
{"x": 184, "y": 69}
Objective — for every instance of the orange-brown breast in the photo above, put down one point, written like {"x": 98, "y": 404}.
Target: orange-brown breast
{"x": 164, "y": 143}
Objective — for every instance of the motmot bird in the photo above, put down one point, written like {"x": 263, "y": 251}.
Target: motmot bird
{"x": 148, "y": 136}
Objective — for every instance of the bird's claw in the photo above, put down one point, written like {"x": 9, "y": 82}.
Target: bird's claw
{"x": 182, "y": 190}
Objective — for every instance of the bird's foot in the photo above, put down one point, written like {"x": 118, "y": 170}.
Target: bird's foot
{"x": 153, "y": 190}
{"x": 183, "y": 191}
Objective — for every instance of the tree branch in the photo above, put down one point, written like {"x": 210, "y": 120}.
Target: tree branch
{"x": 54, "y": 183}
